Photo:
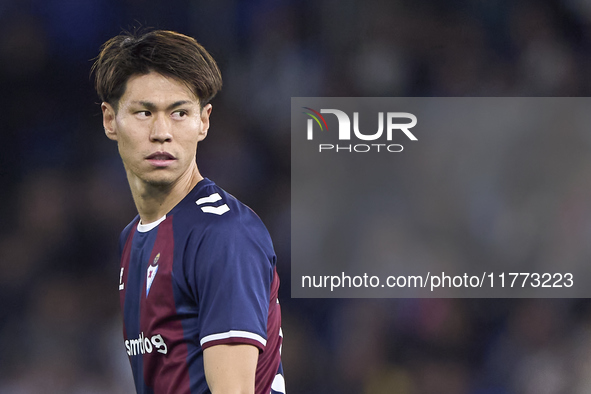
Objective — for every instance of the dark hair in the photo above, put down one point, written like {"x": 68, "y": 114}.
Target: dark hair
{"x": 165, "y": 52}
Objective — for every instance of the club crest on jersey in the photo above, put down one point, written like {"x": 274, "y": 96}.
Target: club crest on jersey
{"x": 152, "y": 269}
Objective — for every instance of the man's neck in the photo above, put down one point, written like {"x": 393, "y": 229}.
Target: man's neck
{"x": 153, "y": 202}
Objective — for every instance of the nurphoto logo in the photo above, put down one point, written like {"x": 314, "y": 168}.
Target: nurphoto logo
{"x": 393, "y": 126}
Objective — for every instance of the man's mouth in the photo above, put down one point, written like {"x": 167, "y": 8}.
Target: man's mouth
{"x": 160, "y": 159}
{"x": 160, "y": 156}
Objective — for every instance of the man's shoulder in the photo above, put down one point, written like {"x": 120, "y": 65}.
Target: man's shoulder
{"x": 209, "y": 205}
{"x": 210, "y": 200}
{"x": 212, "y": 220}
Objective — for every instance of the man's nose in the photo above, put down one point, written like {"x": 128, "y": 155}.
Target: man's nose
{"x": 161, "y": 129}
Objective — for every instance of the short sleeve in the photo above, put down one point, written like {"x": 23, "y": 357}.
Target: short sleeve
{"x": 233, "y": 275}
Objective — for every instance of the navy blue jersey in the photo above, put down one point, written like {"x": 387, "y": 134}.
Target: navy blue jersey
{"x": 200, "y": 276}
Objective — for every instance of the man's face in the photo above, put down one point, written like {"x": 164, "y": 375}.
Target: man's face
{"x": 157, "y": 127}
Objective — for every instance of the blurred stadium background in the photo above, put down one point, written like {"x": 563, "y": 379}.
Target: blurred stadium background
{"x": 65, "y": 199}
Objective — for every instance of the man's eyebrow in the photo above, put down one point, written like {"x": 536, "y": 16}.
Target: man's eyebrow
{"x": 151, "y": 106}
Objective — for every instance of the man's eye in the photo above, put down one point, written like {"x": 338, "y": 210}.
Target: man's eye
{"x": 143, "y": 114}
{"x": 179, "y": 114}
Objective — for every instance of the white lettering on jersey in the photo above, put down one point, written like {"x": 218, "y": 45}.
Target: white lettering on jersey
{"x": 278, "y": 384}
{"x": 121, "y": 284}
{"x": 143, "y": 345}
{"x": 215, "y": 197}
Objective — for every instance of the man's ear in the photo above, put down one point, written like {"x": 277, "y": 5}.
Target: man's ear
{"x": 205, "y": 112}
{"x": 109, "y": 121}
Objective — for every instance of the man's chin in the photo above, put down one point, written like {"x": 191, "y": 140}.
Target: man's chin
{"x": 161, "y": 182}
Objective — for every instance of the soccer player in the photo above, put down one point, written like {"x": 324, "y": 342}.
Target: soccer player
{"x": 198, "y": 284}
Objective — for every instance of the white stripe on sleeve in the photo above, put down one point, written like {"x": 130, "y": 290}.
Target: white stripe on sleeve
{"x": 234, "y": 334}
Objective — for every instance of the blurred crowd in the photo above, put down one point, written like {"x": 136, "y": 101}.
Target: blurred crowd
{"x": 65, "y": 198}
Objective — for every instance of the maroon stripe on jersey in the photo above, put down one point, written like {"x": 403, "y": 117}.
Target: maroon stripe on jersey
{"x": 165, "y": 367}
{"x": 270, "y": 358}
